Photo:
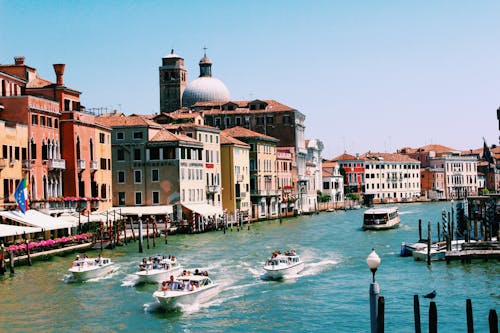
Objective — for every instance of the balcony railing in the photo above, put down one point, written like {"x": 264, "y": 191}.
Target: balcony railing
{"x": 212, "y": 188}
{"x": 264, "y": 192}
{"x": 56, "y": 164}
{"x": 93, "y": 165}
{"x": 80, "y": 164}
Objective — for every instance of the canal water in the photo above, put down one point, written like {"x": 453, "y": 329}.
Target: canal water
{"x": 330, "y": 295}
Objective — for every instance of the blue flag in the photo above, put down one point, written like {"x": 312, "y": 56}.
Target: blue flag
{"x": 21, "y": 196}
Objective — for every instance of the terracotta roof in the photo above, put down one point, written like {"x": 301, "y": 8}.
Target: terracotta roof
{"x": 165, "y": 135}
{"x": 436, "y": 148}
{"x": 326, "y": 173}
{"x": 242, "y": 132}
{"x": 185, "y": 126}
{"x": 329, "y": 164}
{"x": 242, "y": 106}
{"x": 119, "y": 120}
{"x": 344, "y": 157}
{"x": 388, "y": 157}
{"x": 229, "y": 140}
{"x": 38, "y": 82}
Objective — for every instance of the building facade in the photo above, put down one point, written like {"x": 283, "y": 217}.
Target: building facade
{"x": 333, "y": 183}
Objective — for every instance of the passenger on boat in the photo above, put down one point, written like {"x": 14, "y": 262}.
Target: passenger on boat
{"x": 164, "y": 286}
{"x": 99, "y": 259}
{"x": 143, "y": 265}
{"x": 184, "y": 273}
{"x": 196, "y": 272}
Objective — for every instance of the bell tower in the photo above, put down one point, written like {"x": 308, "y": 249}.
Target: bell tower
{"x": 173, "y": 81}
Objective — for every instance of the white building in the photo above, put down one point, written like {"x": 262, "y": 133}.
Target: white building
{"x": 333, "y": 183}
{"x": 460, "y": 174}
{"x": 391, "y": 177}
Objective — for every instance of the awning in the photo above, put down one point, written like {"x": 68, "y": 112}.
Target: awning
{"x": 34, "y": 218}
{"x": 204, "y": 209}
{"x": 145, "y": 210}
{"x": 74, "y": 219}
{"x": 13, "y": 230}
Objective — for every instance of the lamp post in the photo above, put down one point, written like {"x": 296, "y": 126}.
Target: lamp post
{"x": 373, "y": 261}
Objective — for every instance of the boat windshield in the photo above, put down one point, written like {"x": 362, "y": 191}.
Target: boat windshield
{"x": 379, "y": 218}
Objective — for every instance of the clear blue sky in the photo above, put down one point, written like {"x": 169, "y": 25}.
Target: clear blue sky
{"x": 368, "y": 75}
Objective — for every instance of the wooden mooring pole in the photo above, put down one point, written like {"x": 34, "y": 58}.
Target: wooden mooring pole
{"x": 419, "y": 230}
{"x": 2, "y": 260}
{"x": 416, "y": 314}
{"x": 166, "y": 230}
{"x": 470, "y": 319}
{"x": 380, "y": 314}
{"x": 11, "y": 262}
{"x": 155, "y": 231}
{"x": 147, "y": 232}
{"x": 132, "y": 228}
{"x": 429, "y": 243}
{"x": 28, "y": 252}
{"x": 433, "y": 318}
{"x": 493, "y": 321}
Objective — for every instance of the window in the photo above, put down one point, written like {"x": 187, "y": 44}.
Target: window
{"x": 121, "y": 198}
{"x": 286, "y": 119}
{"x": 270, "y": 119}
{"x": 103, "y": 164}
{"x": 155, "y": 175}
{"x": 121, "y": 177}
{"x": 103, "y": 191}
{"x": 138, "y": 135}
{"x": 137, "y": 154}
{"x": 120, "y": 136}
{"x": 56, "y": 123}
{"x": 120, "y": 155}
{"x": 42, "y": 120}
{"x": 156, "y": 197}
{"x": 138, "y": 198}
{"x": 137, "y": 176}
{"x": 49, "y": 122}
{"x": 154, "y": 153}
{"x": 101, "y": 138}
{"x": 238, "y": 121}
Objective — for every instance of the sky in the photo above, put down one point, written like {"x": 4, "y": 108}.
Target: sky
{"x": 368, "y": 75}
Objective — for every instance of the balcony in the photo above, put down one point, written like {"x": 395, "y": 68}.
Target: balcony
{"x": 3, "y": 163}
{"x": 55, "y": 164}
{"x": 80, "y": 165}
{"x": 26, "y": 164}
{"x": 93, "y": 166}
{"x": 212, "y": 188}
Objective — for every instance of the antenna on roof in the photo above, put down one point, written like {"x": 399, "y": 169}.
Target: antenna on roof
{"x": 205, "y": 50}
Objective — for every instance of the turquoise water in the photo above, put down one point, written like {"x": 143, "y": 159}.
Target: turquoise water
{"x": 330, "y": 295}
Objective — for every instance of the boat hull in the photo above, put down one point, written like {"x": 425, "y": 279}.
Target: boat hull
{"x": 169, "y": 300}
{"x": 157, "y": 275}
{"x": 82, "y": 274}
{"x": 276, "y": 272}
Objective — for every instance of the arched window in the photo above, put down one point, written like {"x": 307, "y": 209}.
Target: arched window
{"x": 33, "y": 149}
{"x": 78, "y": 148}
{"x": 91, "y": 150}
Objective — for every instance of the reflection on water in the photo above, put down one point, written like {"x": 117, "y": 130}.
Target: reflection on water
{"x": 332, "y": 290}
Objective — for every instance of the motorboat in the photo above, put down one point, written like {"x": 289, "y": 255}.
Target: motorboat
{"x": 281, "y": 264}
{"x": 158, "y": 269}
{"x": 186, "y": 290}
{"x": 438, "y": 251}
{"x": 381, "y": 218}
{"x": 407, "y": 249}
{"x": 90, "y": 268}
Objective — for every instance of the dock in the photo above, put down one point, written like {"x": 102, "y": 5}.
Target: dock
{"x": 485, "y": 250}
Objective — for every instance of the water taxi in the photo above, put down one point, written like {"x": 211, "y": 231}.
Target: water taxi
{"x": 90, "y": 268}
{"x": 158, "y": 269}
{"x": 381, "y": 218}
{"x": 185, "y": 290}
{"x": 279, "y": 264}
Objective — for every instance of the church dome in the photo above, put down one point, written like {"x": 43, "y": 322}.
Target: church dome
{"x": 205, "y": 89}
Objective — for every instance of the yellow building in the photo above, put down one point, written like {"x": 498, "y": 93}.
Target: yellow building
{"x": 235, "y": 176}
{"x": 14, "y": 141}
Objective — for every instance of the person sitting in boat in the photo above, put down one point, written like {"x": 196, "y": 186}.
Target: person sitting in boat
{"x": 184, "y": 273}
{"x": 196, "y": 272}
{"x": 143, "y": 265}
{"x": 191, "y": 286}
{"x": 164, "y": 286}
{"x": 99, "y": 259}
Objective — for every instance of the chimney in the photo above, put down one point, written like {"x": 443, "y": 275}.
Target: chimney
{"x": 59, "y": 69}
{"x": 19, "y": 61}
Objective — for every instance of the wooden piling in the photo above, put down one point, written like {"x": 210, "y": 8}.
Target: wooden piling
{"x": 438, "y": 232}
{"x": 493, "y": 321}
{"x": 28, "y": 253}
{"x": 429, "y": 243}
{"x": 100, "y": 234}
{"x": 132, "y": 228}
{"x": 416, "y": 314}
{"x": 147, "y": 232}
{"x": 140, "y": 236}
{"x": 2, "y": 260}
{"x": 124, "y": 225}
{"x": 11, "y": 262}
{"x": 470, "y": 319}
{"x": 419, "y": 230}
{"x": 380, "y": 314}
{"x": 166, "y": 230}
{"x": 433, "y": 318}
{"x": 475, "y": 228}
{"x": 155, "y": 231}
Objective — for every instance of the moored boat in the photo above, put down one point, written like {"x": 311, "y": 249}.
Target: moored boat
{"x": 381, "y": 218}
{"x": 90, "y": 268}
{"x": 158, "y": 269}
{"x": 279, "y": 264}
{"x": 408, "y": 249}
{"x": 186, "y": 290}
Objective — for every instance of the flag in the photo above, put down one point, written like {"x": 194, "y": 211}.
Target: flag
{"x": 21, "y": 196}
{"x": 487, "y": 153}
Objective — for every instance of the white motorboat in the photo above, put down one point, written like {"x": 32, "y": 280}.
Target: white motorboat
{"x": 438, "y": 251}
{"x": 158, "y": 269}
{"x": 186, "y": 290}
{"x": 408, "y": 249}
{"x": 280, "y": 264}
{"x": 90, "y": 268}
{"x": 380, "y": 218}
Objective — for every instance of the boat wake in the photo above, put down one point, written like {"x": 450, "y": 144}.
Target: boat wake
{"x": 108, "y": 276}
{"x": 130, "y": 280}
{"x": 315, "y": 268}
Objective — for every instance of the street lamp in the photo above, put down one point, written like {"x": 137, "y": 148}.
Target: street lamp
{"x": 373, "y": 261}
